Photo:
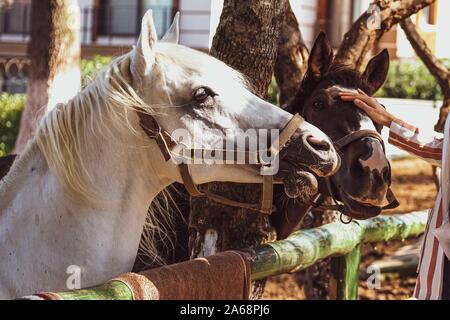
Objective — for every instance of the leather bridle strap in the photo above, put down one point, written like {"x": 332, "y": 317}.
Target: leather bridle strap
{"x": 355, "y": 136}
{"x": 266, "y": 200}
{"x": 153, "y": 131}
{"x": 166, "y": 144}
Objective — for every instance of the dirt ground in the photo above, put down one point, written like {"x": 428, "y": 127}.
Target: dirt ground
{"x": 413, "y": 184}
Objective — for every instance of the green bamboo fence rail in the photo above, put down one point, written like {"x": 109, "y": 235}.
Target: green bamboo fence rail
{"x": 303, "y": 249}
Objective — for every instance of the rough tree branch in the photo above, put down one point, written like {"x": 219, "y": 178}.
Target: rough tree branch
{"x": 434, "y": 65}
{"x": 361, "y": 37}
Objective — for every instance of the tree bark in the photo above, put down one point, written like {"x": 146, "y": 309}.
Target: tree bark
{"x": 434, "y": 65}
{"x": 247, "y": 40}
{"x": 316, "y": 279}
{"x": 361, "y": 37}
{"x": 54, "y": 52}
{"x": 292, "y": 59}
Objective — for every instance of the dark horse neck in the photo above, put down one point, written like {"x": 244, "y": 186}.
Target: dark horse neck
{"x": 5, "y": 165}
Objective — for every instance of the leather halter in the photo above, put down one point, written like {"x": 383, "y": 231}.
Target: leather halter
{"x": 340, "y": 145}
{"x": 167, "y": 144}
{"x": 358, "y": 135}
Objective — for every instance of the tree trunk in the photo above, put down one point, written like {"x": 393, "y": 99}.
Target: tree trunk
{"x": 443, "y": 114}
{"x": 370, "y": 27}
{"x": 316, "y": 279}
{"x": 247, "y": 40}
{"x": 54, "y": 51}
{"x": 292, "y": 59}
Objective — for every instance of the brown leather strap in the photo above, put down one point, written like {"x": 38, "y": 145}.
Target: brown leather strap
{"x": 392, "y": 199}
{"x": 153, "y": 130}
{"x": 194, "y": 191}
{"x": 288, "y": 131}
{"x": 232, "y": 203}
{"x": 188, "y": 182}
{"x": 357, "y": 135}
{"x": 267, "y": 195}
{"x": 211, "y": 154}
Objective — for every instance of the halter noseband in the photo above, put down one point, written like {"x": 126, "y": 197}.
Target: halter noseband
{"x": 166, "y": 144}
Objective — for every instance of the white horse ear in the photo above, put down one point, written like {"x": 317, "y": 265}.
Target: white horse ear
{"x": 143, "y": 59}
{"x": 173, "y": 34}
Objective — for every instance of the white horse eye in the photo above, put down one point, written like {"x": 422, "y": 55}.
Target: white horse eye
{"x": 203, "y": 93}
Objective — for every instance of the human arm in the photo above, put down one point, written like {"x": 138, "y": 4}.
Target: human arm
{"x": 401, "y": 134}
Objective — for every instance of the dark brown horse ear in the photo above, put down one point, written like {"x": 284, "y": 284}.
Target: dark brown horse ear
{"x": 321, "y": 57}
{"x": 376, "y": 72}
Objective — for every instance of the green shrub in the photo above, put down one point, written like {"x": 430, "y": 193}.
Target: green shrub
{"x": 11, "y": 106}
{"x": 410, "y": 79}
{"x": 90, "y": 68}
{"x": 273, "y": 95}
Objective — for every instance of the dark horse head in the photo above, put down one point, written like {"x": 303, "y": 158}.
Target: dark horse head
{"x": 364, "y": 178}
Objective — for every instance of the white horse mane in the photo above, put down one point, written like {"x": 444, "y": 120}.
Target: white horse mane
{"x": 65, "y": 131}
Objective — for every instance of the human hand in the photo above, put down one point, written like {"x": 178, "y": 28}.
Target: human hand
{"x": 369, "y": 105}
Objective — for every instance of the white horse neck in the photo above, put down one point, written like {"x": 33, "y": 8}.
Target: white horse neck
{"x": 43, "y": 231}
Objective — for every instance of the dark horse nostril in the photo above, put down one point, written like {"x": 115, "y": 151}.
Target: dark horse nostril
{"x": 318, "y": 144}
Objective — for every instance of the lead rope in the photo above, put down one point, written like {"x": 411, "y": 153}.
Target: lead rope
{"x": 317, "y": 204}
{"x": 342, "y": 208}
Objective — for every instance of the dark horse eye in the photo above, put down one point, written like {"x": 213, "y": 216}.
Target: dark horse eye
{"x": 202, "y": 93}
{"x": 318, "y": 104}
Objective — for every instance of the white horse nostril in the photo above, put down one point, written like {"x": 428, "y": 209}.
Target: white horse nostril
{"x": 319, "y": 144}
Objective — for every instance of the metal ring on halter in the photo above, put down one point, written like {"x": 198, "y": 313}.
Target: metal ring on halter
{"x": 341, "y": 217}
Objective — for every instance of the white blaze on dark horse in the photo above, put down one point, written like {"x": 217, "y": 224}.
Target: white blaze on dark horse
{"x": 78, "y": 196}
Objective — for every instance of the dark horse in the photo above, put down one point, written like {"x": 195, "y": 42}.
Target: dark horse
{"x": 363, "y": 181}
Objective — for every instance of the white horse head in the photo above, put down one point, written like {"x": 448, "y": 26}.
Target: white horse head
{"x": 78, "y": 197}
{"x": 195, "y": 93}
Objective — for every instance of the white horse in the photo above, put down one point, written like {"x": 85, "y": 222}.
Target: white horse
{"x": 77, "y": 198}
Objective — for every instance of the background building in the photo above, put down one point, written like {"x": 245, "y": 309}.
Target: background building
{"x": 111, "y": 26}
